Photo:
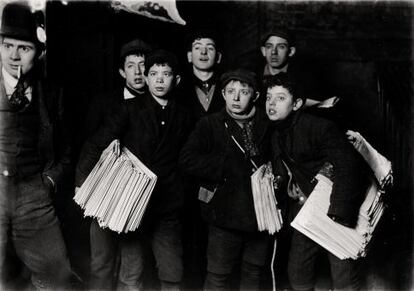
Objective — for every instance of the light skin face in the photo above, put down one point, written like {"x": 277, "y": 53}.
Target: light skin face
{"x": 239, "y": 97}
{"x": 15, "y": 53}
{"x": 277, "y": 52}
{"x": 133, "y": 72}
{"x": 161, "y": 80}
{"x": 203, "y": 54}
{"x": 280, "y": 103}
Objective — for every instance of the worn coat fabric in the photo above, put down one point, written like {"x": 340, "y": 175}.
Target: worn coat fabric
{"x": 305, "y": 143}
{"x": 211, "y": 155}
{"x": 54, "y": 141}
{"x": 135, "y": 124}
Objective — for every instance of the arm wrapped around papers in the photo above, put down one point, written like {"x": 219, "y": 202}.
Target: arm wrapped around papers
{"x": 345, "y": 242}
{"x": 117, "y": 190}
{"x": 265, "y": 204}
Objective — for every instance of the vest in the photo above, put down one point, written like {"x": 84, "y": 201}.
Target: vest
{"x": 19, "y": 137}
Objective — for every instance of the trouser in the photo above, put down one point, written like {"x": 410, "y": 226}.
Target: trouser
{"x": 303, "y": 265}
{"x": 224, "y": 250}
{"x": 165, "y": 241}
{"x": 28, "y": 221}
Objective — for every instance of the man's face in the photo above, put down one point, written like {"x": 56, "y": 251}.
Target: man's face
{"x": 133, "y": 72}
{"x": 239, "y": 97}
{"x": 280, "y": 103}
{"x": 15, "y": 53}
{"x": 160, "y": 80}
{"x": 203, "y": 54}
{"x": 277, "y": 52}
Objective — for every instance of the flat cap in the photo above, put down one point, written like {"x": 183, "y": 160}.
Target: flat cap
{"x": 283, "y": 33}
{"x": 241, "y": 75}
{"x": 136, "y": 45}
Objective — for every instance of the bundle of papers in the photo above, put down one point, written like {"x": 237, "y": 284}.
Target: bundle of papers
{"x": 268, "y": 215}
{"x": 117, "y": 190}
{"x": 345, "y": 242}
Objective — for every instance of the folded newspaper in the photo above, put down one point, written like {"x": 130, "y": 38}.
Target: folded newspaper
{"x": 117, "y": 190}
{"x": 345, "y": 242}
{"x": 268, "y": 214}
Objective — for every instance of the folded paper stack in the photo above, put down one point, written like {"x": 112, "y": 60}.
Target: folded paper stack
{"x": 268, "y": 214}
{"x": 345, "y": 242}
{"x": 117, "y": 190}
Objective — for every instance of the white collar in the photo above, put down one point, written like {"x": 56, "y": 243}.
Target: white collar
{"x": 127, "y": 94}
{"x": 10, "y": 84}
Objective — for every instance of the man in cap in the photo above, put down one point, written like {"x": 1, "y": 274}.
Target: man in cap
{"x": 34, "y": 153}
{"x": 279, "y": 49}
{"x": 131, "y": 69}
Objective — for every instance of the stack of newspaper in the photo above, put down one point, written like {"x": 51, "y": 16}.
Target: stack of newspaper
{"x": 345, "y": 242}
{"x": 117, "y": 190}
{"x": 268, "y": 215}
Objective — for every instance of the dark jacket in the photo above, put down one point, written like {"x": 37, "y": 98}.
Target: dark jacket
{"x": 135, "y": 124}
{"x": 53, "y": 142}
{"x": 211, "y": 155}
{"x": 305, "y": 143}
{"x": 188, "y": 98}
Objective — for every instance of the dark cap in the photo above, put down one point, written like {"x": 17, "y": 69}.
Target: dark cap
{"x": 160, "y": 57}
{"x": 19, "y": 22}
{"x": 134, "y": 46}
{"x": 242, "y": 75}
{"x": 283, "y": 33}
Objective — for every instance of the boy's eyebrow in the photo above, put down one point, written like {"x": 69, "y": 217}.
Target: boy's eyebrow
{"x": 196, "y": 42}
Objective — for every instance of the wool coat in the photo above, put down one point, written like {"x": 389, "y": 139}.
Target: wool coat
{"x": 212, "y": 156}
{"x": 135, "y": 124}
{"x": 305, "y": 143}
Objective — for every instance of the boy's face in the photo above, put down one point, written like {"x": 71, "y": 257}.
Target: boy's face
{"x": 161, "y": 80}
{"x": 15, "y": 53}
{"x": 277, "y": 52}
{"x": 133, "y": 72}
{"x": 239, "y": 97}
{"x": 203, "y": 54}
{"x": 280, "y": 103}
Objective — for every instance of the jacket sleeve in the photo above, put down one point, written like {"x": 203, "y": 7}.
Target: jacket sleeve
{"x": 199, "y": 157}
{"x": 349, "y": 180}
{"x": 113, "y": 128}
{"x": 62, "y": 147}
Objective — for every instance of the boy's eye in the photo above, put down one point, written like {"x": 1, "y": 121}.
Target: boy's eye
{"x": 268, "y": 46}
{"x": 152, "y": 74}
{"x": 230, "y": 91}
{"x": 245, "y": 92}
{"x": 282, "y": 46}
{"x": 168, "y": 74}
{"x": 25, "y": 49}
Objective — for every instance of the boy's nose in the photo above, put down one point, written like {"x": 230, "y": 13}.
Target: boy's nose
{"x": 274, "y": 51}
{"x": 160, "y": 79}
{"x": 204, "y": 51}
{"x": 236, "y": 96}
{"x": 138, "y": 70}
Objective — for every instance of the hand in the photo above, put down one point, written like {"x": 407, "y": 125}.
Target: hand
{"x": 77, "y": 189}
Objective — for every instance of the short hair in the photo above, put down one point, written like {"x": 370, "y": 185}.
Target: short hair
{"x": 135, "y": 47}
{"x": 285, "y": 81}
{"x": 162, "y": 57}
{"x": 202, "y": 33}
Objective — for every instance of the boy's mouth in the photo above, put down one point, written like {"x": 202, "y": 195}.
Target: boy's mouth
{"x": 159, "y": 89}
{"x": 271, "y": 112}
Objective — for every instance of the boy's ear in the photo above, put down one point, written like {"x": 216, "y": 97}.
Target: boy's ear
{"x": 122, "y": 73}
{"x": 222, "y": 94}
{"x": 292, "y": 51}
{"x": 146, "y": 80}
{"x": 189, "y": 57}
{"x": 298, "y": 104}
{"x": 218, "y": 57}
{"x": 263, "y": 50}
{"x": 177, "y": 79}
{"x": 257, "y": 94}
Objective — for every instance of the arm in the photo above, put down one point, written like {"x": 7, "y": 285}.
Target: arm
{"x": 199, "y": 157}
{"x": 113, "y": 128}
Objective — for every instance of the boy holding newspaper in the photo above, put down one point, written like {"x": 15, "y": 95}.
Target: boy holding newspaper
{"x": 223, "y": 151}
{"x": 302, "y": 145}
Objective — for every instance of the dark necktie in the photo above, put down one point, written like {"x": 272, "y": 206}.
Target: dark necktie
{"x": 18, "y": 99}
{"x": 248, "y": 140}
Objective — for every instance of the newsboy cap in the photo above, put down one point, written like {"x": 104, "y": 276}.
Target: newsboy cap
{"x": 242, "y": 75}
{"x": 283, "y": 33}
{"x": 136, "y": 45}
{"x": 19, "y": 22}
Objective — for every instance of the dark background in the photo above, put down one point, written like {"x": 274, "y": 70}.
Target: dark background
{"x": 362, "y": 49}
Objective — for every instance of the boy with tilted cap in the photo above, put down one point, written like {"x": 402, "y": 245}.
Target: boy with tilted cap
{"x": 153, "y": 127}
{"x": 223, "y": 151}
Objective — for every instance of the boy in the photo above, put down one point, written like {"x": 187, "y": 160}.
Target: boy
{"x": 131, "y": 69}
{"x": 201, "y": 94}
{"x": 222, "y": 152}
{"x": 154, "y": 128}
{"x": 305, "y": 143}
